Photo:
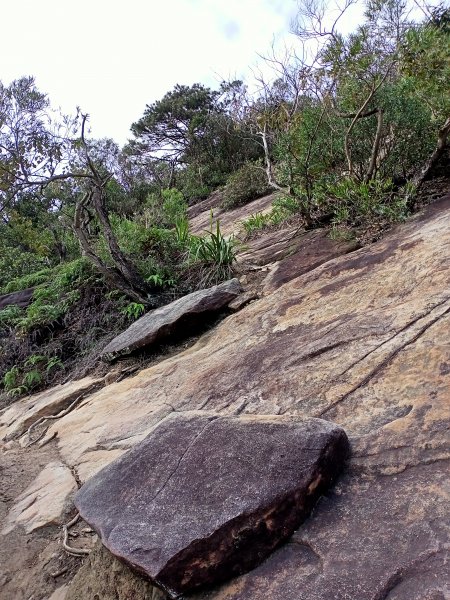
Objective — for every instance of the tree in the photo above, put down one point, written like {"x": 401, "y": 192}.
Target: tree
{"x": 378, "y": 89}
{"x": 190, "y": 134}
{"x": 425, "y": 63}
{"x": 38, "y": 151}
{"x": 33, "y": 144}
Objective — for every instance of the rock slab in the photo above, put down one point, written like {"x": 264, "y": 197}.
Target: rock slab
{"x": 45, "y": 501}
{"x": 20, "y": 299}
{"x": 17, "y": 418}
{"x": 204, "y": 498}
{"x": 171, "y": 318}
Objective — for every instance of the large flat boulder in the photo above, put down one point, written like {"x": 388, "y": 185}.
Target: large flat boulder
{"x": 204, "y": 498}
{"x": 171, "y": 318}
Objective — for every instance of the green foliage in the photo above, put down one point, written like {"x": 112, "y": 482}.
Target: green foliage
{"x": 197, "y": 182}
{"x": 214, "y": 255}
{"x": 15, "y": 265}
{"x": 245, "y": 185}
{"x": 32, "y": 379}
{"x": 310, "y": 149}
{"x": 52, "y": 298}
{"x": 282, "y": 209}
{"x": 191, "y": 128}
{"x": 11, "y": 378}
{"x": 215, "y": 248}
{"x": 425, "y": 60}
{"x": 133, "y": 310}
{"x": 31, "y": 375}
{"x": 9, "y": 316}
{"x": 410, "y": 119}
{"x": 34, "y": 359}
{"x": 165, "y": 209}
{"x": 174, "y": 206}
{"x": 356, "y": 203}
{"x": 53, "y": 362}
{"x": 27, "y": 281}
{"x": 182, "y": 232}
{"x": 256, "y": 222}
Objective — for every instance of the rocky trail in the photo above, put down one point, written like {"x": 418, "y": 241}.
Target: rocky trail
{"x": 358, "y": 337}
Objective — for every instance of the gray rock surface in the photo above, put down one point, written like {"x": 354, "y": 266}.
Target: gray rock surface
{"x": 204, "y": 498}
{"x": 171, "y": 318}
{"x": 21, "y": 298}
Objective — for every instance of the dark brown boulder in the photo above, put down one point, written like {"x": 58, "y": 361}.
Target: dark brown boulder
{"x": 171, "y": 318}
{"x": 204, "y": 498}
{"x": 21, "y": 299}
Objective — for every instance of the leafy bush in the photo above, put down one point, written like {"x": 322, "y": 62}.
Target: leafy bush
{"x": 283, "y": 208}
{"x": 165, "y": 209}
{"x": 246, "y": 184}
{"x": 215, "y": 252}
{"x": 192, "y": 187}
{"x": 256, "y": 222}
{"x": 356, "y": 203}
{"x": 10, "y": 315}
{"x": 133, "y": 310}
{"x": 11, "y": 378}
{"x": 26, "y": 281}
{"x": 18, "y": 381}
{"x": 174, "y": 206}
{"x": 52, "y": 298}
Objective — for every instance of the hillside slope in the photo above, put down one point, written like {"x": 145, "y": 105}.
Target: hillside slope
{"x": 362, "y": 340}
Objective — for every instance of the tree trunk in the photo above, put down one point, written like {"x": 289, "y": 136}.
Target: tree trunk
{"x": 269, "y": 171}
{"x": 113, "y": 275}
{"x": 443, "y": 134}
{"x": 124, "y": 266}
{"x": 375, "y": 148}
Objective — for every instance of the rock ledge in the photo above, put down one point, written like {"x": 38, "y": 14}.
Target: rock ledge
{"x": 171, "y": 318}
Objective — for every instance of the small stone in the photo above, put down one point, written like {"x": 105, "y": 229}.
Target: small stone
{"x": 242, "y": 300}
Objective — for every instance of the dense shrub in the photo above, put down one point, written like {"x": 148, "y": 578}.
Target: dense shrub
{"x": 246, "y": 184}
{"x": 358, "y": 203}
{"x": 14, "y": 265}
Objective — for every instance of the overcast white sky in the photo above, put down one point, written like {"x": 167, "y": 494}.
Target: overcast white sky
{"x": 113, "y": 57}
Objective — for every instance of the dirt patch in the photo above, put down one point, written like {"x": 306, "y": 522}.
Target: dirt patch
{"x": 32, "y": 565}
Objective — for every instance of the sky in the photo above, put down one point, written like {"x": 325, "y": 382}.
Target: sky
{"x": 113, "y": 57}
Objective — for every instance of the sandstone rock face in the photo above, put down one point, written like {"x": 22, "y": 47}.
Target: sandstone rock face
{"x": 292, "y": 252}
{"x": 45, "y": 501}
{"x": 230, "y": 220}
{"x": 60, "y": 593}
{"x": 203, "y": 497}
{"x": 362, "y": 340}
{"x": 17, "y": 418}
{"x": 166, "y": 320}
{"x": 305, "y": 253}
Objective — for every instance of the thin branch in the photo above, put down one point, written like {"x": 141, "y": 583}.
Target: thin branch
{"x": 372, "y": 93}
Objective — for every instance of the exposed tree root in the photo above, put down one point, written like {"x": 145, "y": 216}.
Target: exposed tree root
{"x": 49, "y": 418}
{"x": 70, "y": 549}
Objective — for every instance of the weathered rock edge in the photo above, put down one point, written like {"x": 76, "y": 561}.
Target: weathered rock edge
{"x": 204, "y": 498}
{"x": 169, "y": 319}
